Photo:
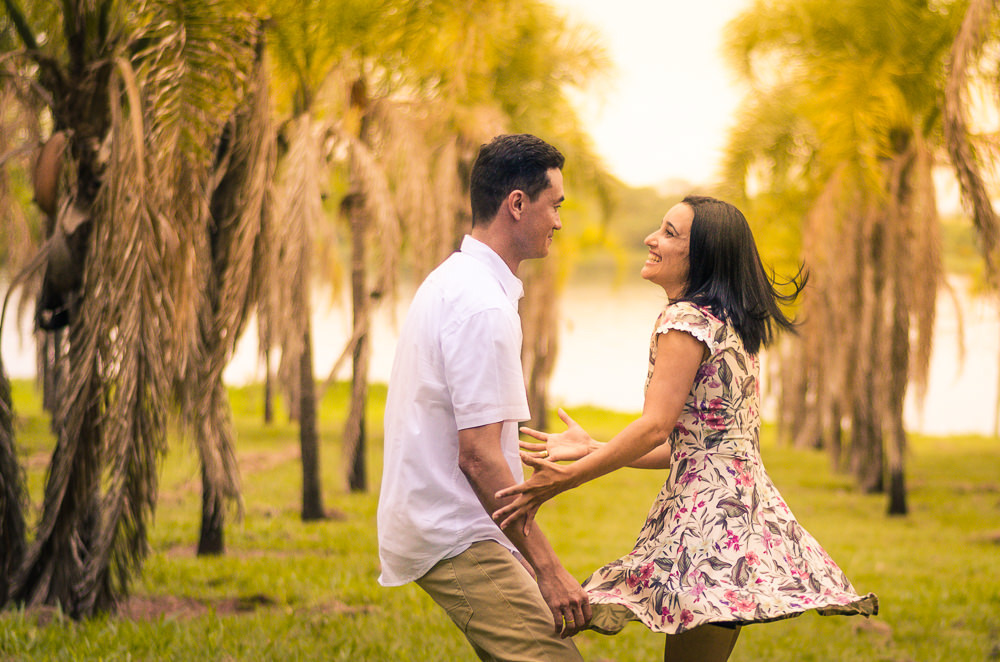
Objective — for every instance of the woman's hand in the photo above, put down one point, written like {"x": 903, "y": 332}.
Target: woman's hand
{"x": 548, "y": 480}
{"x": 572, "y": 444}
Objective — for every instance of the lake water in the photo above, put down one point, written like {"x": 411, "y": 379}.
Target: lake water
{"x": 603, "y": 347}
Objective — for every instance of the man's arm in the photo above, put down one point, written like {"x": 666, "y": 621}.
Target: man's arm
{"x": 481, "y": 460}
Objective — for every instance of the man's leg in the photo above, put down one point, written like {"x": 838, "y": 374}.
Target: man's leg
{"x": 495, "y": 602}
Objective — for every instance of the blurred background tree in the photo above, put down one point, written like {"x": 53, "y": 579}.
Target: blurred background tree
{"x": 838, "y": 141}
{"x": 135, "y": 97}
{"x": 177, "y": 189}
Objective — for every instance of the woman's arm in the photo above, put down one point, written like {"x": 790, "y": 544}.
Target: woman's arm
{"x": 575, "y": 443}
{"x": 658, "y": 458}
{"x": 679, "y": 355}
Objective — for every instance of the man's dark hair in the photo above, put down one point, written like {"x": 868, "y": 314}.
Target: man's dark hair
{"x": 510, "y": 163}
{"x": 726, "y": 274}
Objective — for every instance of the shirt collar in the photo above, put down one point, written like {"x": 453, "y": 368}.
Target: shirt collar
{"x": 510, "y": 283}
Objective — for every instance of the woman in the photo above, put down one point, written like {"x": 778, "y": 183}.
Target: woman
{"x": 719, "y": 548}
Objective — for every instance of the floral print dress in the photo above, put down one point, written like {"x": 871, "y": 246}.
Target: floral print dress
{"x": 719, "y": 544}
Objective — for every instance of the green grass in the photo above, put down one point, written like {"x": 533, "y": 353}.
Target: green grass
{"x": 292, "y": 591}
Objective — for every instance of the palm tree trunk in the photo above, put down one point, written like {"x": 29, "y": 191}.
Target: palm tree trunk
{"x": 539, "y": 322}
{"x": 354, "y": 428}
{"x": 211, "y": 540}
{"x": 910, "y": 214}
{"x": 219, "y": 473}
{"x": 268, "y": 388}
{"x": 996, "y": 409}
{"x": 12, "y": 495}
{"x": 53, "y": 568}
{"x": 867, "y": 439}
{"x": 899, "y": 367}
{"x": 312, "y": 495}
{"x": 51, "y": 368}
{"x": 836, "y": 437}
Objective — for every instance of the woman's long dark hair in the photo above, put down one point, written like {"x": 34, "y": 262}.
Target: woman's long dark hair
{"x": 726, "y": 274}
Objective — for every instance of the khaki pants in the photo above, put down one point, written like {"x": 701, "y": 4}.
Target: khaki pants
{"x": 495, "y": 602}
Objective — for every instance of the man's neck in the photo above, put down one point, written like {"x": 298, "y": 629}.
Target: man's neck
{"x": 499, "y": 243}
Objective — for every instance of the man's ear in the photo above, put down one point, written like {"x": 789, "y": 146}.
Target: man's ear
{"x": 515, "y": 203}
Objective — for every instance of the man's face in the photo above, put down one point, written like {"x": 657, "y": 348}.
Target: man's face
{"x": 540, "y": 218}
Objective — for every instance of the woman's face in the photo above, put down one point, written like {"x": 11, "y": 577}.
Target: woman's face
{"x": 667, "y": 264}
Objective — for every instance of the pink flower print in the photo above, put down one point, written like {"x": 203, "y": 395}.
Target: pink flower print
{"x": 752, "y": 558}
{"x": 666, "y": 613}
{"x": 732, "y": 540}
{"x": 738, "y": 604}
{"x": 743, "y": 475}
{"x": 645, "y": 572}
{"x": 689, "y": 477}
{"x": 698, "y": 588}
{"x": 686, "y": 616}
{"x": 715, "y": 422}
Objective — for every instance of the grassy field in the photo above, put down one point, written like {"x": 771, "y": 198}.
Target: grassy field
{"x": 292, "y": 591}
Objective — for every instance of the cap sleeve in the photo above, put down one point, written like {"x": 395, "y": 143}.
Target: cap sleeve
{"x": 690, "y": 318}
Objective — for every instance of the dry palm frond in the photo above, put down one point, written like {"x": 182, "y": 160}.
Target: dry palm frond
{"x": 21, "y": 230}
{"x": 926, "y": 273}
{"x": 298, "y": 209}
{"x": 232, "y": 281}
{"x": 968, "y": 43}
{"x": 421, "y": 161}
{"x": 187, "y": 107}
{"x": 370, "y": 179}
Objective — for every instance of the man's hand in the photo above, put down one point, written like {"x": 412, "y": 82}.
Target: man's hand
{"x": 567, "y": 600}
{"x": 486, "y": 468}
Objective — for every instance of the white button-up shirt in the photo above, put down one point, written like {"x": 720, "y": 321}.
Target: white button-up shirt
{"x": 457, "y": 366}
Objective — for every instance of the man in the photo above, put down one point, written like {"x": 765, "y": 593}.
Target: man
{"x": 456, "y": 395}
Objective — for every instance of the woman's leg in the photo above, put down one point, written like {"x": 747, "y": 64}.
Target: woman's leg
{"x": 705, "y": 643}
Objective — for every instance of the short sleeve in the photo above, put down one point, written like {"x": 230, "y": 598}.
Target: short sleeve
{"x": 686, "y": 316}
{"x": 482, "y": 362}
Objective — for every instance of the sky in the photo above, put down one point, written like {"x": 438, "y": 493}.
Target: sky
{"x": 665, "y": 111}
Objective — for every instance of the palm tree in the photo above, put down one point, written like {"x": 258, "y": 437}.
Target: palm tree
{"x": 841, "y": 124}
{"x": 143, "y": 93}
{"x": 970, "y": 153}
{"x": 411, "y": 90}
{"x": 230, "y": 257}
